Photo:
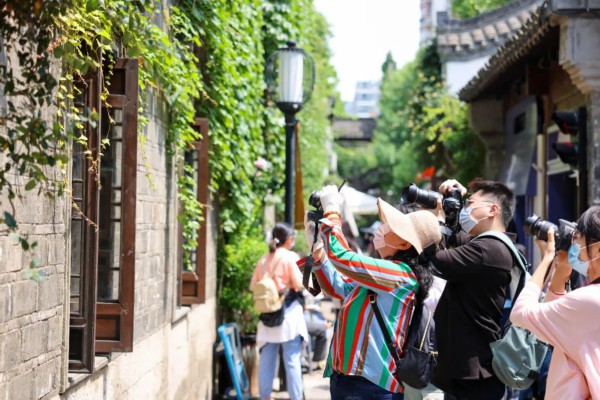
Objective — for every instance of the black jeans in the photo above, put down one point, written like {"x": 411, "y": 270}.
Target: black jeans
{"x": 345, "y": 387}
{"x": 476, "y": 389}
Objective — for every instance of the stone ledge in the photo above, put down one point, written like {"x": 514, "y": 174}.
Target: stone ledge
{"x": 75, "y": 379}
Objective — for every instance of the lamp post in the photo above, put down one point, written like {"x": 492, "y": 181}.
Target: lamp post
{"x": 290, "y": 76}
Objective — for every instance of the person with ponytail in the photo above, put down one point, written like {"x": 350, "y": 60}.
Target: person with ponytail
{"x": 360, "y": 364}
{"x": 280, "y": 263}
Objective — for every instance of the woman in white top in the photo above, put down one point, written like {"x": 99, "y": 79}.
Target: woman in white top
{"x": 280, "y": 262}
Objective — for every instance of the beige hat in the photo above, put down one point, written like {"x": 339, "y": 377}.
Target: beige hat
{"x": 420, "y": 228}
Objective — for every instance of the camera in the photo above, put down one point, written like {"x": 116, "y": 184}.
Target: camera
{"x": 451, "y": 202}
{"x": 314, "y": 200}
{"x": 563, "y": 234}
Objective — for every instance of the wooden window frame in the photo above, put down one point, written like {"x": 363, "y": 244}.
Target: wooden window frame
{"x": 84, "y": 321}
{"x": 115, "y": 319}
{"x": 192, "y": 284}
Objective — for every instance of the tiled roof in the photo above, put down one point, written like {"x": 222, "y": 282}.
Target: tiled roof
{"x": 508, "y": 54}
{"x": 484, "y": 33}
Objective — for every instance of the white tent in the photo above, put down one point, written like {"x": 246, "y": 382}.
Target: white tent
{"x": 357, "y": 203}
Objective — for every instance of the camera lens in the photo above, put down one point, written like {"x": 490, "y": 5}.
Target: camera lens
{"x": 315, "y": 199}
{"x": 426, "y": 198}
{"x": 535, "y": 226}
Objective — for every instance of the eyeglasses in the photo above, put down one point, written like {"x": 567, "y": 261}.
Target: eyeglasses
{"x": 470, "y": 201}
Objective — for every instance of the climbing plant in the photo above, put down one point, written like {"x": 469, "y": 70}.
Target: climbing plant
{"x": 59, "y": 42}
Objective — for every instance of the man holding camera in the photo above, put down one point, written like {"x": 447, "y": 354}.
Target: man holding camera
{"x": 478, "y": 272}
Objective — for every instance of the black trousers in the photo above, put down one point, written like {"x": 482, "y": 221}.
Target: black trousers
{"x": 473, "y": 389}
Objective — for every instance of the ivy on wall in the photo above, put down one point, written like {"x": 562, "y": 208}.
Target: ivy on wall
{"x": 209, "y": 62}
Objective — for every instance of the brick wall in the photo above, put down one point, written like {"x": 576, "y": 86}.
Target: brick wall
{"x": 171, "y": 344}
{"x": 31, "y": 312}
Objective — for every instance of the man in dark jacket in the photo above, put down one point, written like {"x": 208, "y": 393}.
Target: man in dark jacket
{"x": 469, "y": 312}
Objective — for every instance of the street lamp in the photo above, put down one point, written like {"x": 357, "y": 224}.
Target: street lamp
{"x": 290, "y": 77}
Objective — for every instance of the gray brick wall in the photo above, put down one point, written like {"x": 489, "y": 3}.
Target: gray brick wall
{"x": 33, "y": 324}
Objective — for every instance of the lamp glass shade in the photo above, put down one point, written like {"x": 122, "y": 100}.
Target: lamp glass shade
{"x": 291, "y": 76}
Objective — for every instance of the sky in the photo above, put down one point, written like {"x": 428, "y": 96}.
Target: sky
{"x": 363, "y": 33}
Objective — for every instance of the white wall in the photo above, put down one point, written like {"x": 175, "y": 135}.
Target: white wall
{"x": 459, "y": 73}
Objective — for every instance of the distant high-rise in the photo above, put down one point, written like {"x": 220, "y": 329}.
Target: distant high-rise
{"x": 366, "y": 99}
{"x": 429, "y": 15}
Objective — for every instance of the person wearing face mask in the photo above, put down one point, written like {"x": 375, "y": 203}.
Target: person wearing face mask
{"x": 567, "y": 321}
{"x": 359, "y": 363}
{"x": 477, "y": 273}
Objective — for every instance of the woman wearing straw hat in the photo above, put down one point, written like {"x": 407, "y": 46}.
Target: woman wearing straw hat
{"x": 359, "y": 361}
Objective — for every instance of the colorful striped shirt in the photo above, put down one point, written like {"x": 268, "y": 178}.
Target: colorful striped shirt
{"x": 358, "y": 347}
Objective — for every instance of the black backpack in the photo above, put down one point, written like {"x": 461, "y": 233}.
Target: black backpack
{"x": 415, "y": 363}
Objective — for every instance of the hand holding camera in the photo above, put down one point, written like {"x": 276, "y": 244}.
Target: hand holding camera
{"x": 447, "y": 205}
{"x": 331, "y": 199}
{"x": 562, "y": 234}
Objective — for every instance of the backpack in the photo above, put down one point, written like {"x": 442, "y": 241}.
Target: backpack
{"x": 419, "y": 355}
{"x": 518, "y": 355}
{"x": 265, "y": 295}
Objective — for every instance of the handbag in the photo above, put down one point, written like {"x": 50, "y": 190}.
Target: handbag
{"x": 274, "y": 318}
{"x": 419, "y": 356}
{"x": 517, "y": 357}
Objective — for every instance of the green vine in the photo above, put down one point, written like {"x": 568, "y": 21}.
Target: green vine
{"x": 209, "y": 62}
{"x": 79, "y": 34}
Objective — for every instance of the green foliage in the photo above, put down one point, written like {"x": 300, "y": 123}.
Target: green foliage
{"x": 79, "y": 33}
{"x": 209, "y": 63}
{"x": 465, "y": 9}
{"x": 240, "y": 258}
{"x": 421, "y": 125}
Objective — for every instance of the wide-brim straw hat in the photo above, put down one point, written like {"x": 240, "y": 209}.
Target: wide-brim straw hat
{"x": 420, "y": 228}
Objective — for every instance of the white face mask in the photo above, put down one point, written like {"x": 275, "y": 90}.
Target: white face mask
{"x": 379, "y": 237}
{"x": 467, "y": 223}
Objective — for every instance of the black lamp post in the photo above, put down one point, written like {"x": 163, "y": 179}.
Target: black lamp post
{"x": 290, "y": 77}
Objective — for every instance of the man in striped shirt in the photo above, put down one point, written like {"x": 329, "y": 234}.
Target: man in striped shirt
{"x": 359, "y": 363}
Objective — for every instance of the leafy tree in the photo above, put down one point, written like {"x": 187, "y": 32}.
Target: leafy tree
{"x": 421, "y": 125}
{"x": 464, "y": 9}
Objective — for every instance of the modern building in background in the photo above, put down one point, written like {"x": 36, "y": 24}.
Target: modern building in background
{"x": 429, "y": 18}
{"x": 366, "y": 100}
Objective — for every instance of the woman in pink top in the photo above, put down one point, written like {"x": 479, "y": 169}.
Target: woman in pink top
{"x": 568, "y": 321}
{"x": 281, "y": 263}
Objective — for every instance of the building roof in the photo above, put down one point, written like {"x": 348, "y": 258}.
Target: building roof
{"x": 482, "y": 35}
{"x": 349, "y": 129}
{"x": 508, "y": 55}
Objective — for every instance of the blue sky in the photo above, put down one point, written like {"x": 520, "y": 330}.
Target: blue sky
{"x": 364, "y": 31}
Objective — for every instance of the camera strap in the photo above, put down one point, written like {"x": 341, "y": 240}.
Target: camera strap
{"x": 310, "y": 261}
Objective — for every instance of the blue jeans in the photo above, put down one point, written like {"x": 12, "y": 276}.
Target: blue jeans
{"x": 345, "y": 387}
{"x": 267, "y": 363}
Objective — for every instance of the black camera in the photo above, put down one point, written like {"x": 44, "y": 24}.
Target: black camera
{"x": 451, "y": 202}
{"x": 563, "y": 234}
{"x": 314, "y": 200}
{"x": 425, "y": 198}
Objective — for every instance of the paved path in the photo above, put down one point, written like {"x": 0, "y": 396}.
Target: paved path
{"x": 315, "y": 388}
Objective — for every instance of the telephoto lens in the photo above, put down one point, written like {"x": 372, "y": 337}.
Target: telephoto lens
{"x": 563, "y": 234}
{"x": 413, "y": 194}
{"x": 535, "y": 226}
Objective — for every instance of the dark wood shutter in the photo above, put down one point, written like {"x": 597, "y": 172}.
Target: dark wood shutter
{"x": 84, "y": 237}
{"x": 116, "y": 255}
{"x": 193, "y": 283}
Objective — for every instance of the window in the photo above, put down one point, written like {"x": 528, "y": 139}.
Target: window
{"x": 192, "y": 284}
{"x": 83, "y": 234}
{"x": 116, "y": 241}
{"x": 103, "y": 256}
